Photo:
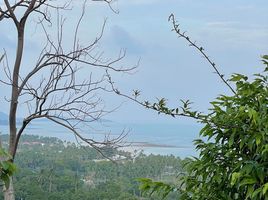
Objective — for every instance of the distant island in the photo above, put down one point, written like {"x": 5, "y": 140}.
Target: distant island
{"x": 3, "y": 118}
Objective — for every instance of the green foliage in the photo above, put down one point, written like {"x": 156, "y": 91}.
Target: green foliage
{"x": 233, "y": 161}
{"x": 53, "y": 169}
{"x": 150, "y": 187}
{"x": 7, "y": 168}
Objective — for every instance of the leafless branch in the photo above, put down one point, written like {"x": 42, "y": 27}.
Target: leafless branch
{"x": 199, "y": 48}
{"x": 109, "y": 2}
{"x": 61, "y": 95}
{"x": 2, "y": 57}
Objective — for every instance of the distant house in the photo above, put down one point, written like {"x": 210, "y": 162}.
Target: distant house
{"x": 114, "y": 158}
{"x": 32, "y": 143}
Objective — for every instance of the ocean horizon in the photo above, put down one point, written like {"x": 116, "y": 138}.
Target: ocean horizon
{"x": 150, "y": 138}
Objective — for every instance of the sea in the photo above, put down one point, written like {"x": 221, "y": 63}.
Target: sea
{"x": 149, "y": 138}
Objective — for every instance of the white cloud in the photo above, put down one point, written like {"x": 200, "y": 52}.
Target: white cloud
{"x": 236, "y": 32}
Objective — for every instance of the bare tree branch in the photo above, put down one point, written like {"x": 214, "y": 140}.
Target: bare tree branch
{"x": 2, "y": 57}
{"x": 199, "y": 48}
{"x": 61, "y": 96}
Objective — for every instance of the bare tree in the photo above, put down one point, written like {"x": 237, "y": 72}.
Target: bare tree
{"x": 60, "y": 95}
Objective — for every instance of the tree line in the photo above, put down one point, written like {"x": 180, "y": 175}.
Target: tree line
{"x": 48, "y": 168}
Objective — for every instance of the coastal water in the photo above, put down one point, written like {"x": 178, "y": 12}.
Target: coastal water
{"x": 164, "y": 139}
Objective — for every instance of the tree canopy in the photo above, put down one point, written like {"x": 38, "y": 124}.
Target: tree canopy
{"x": 233, "y": 159}
{"x": 233, "y": 150}
{"x": 233, "y": 163}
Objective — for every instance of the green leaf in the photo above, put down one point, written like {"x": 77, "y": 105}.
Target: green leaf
{"x": 253, "y": 115}
{"x": 256, "y": 192}
{"x": 265, "y": 188}
{"x": 265, "y": 57}
{"x": 231, "y": 140}
{"x": 235, "y": 177}
{"x": 249, "y": 191}
{"x": 238, "y": 77}
{"x": 258, "y": 139}
{"x": 5, "y": 165}
{"x": 247, "y": 181}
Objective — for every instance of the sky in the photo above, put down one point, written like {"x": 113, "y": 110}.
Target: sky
{"x": 233, "y": 33}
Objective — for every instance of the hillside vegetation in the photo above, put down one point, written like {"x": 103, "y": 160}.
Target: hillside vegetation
{"x": 48, "y": 168}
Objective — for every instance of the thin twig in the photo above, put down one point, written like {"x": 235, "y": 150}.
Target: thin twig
{"x": 199, "y": 48}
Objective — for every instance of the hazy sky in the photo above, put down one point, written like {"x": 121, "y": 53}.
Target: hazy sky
{"x": 233, "y": 32}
